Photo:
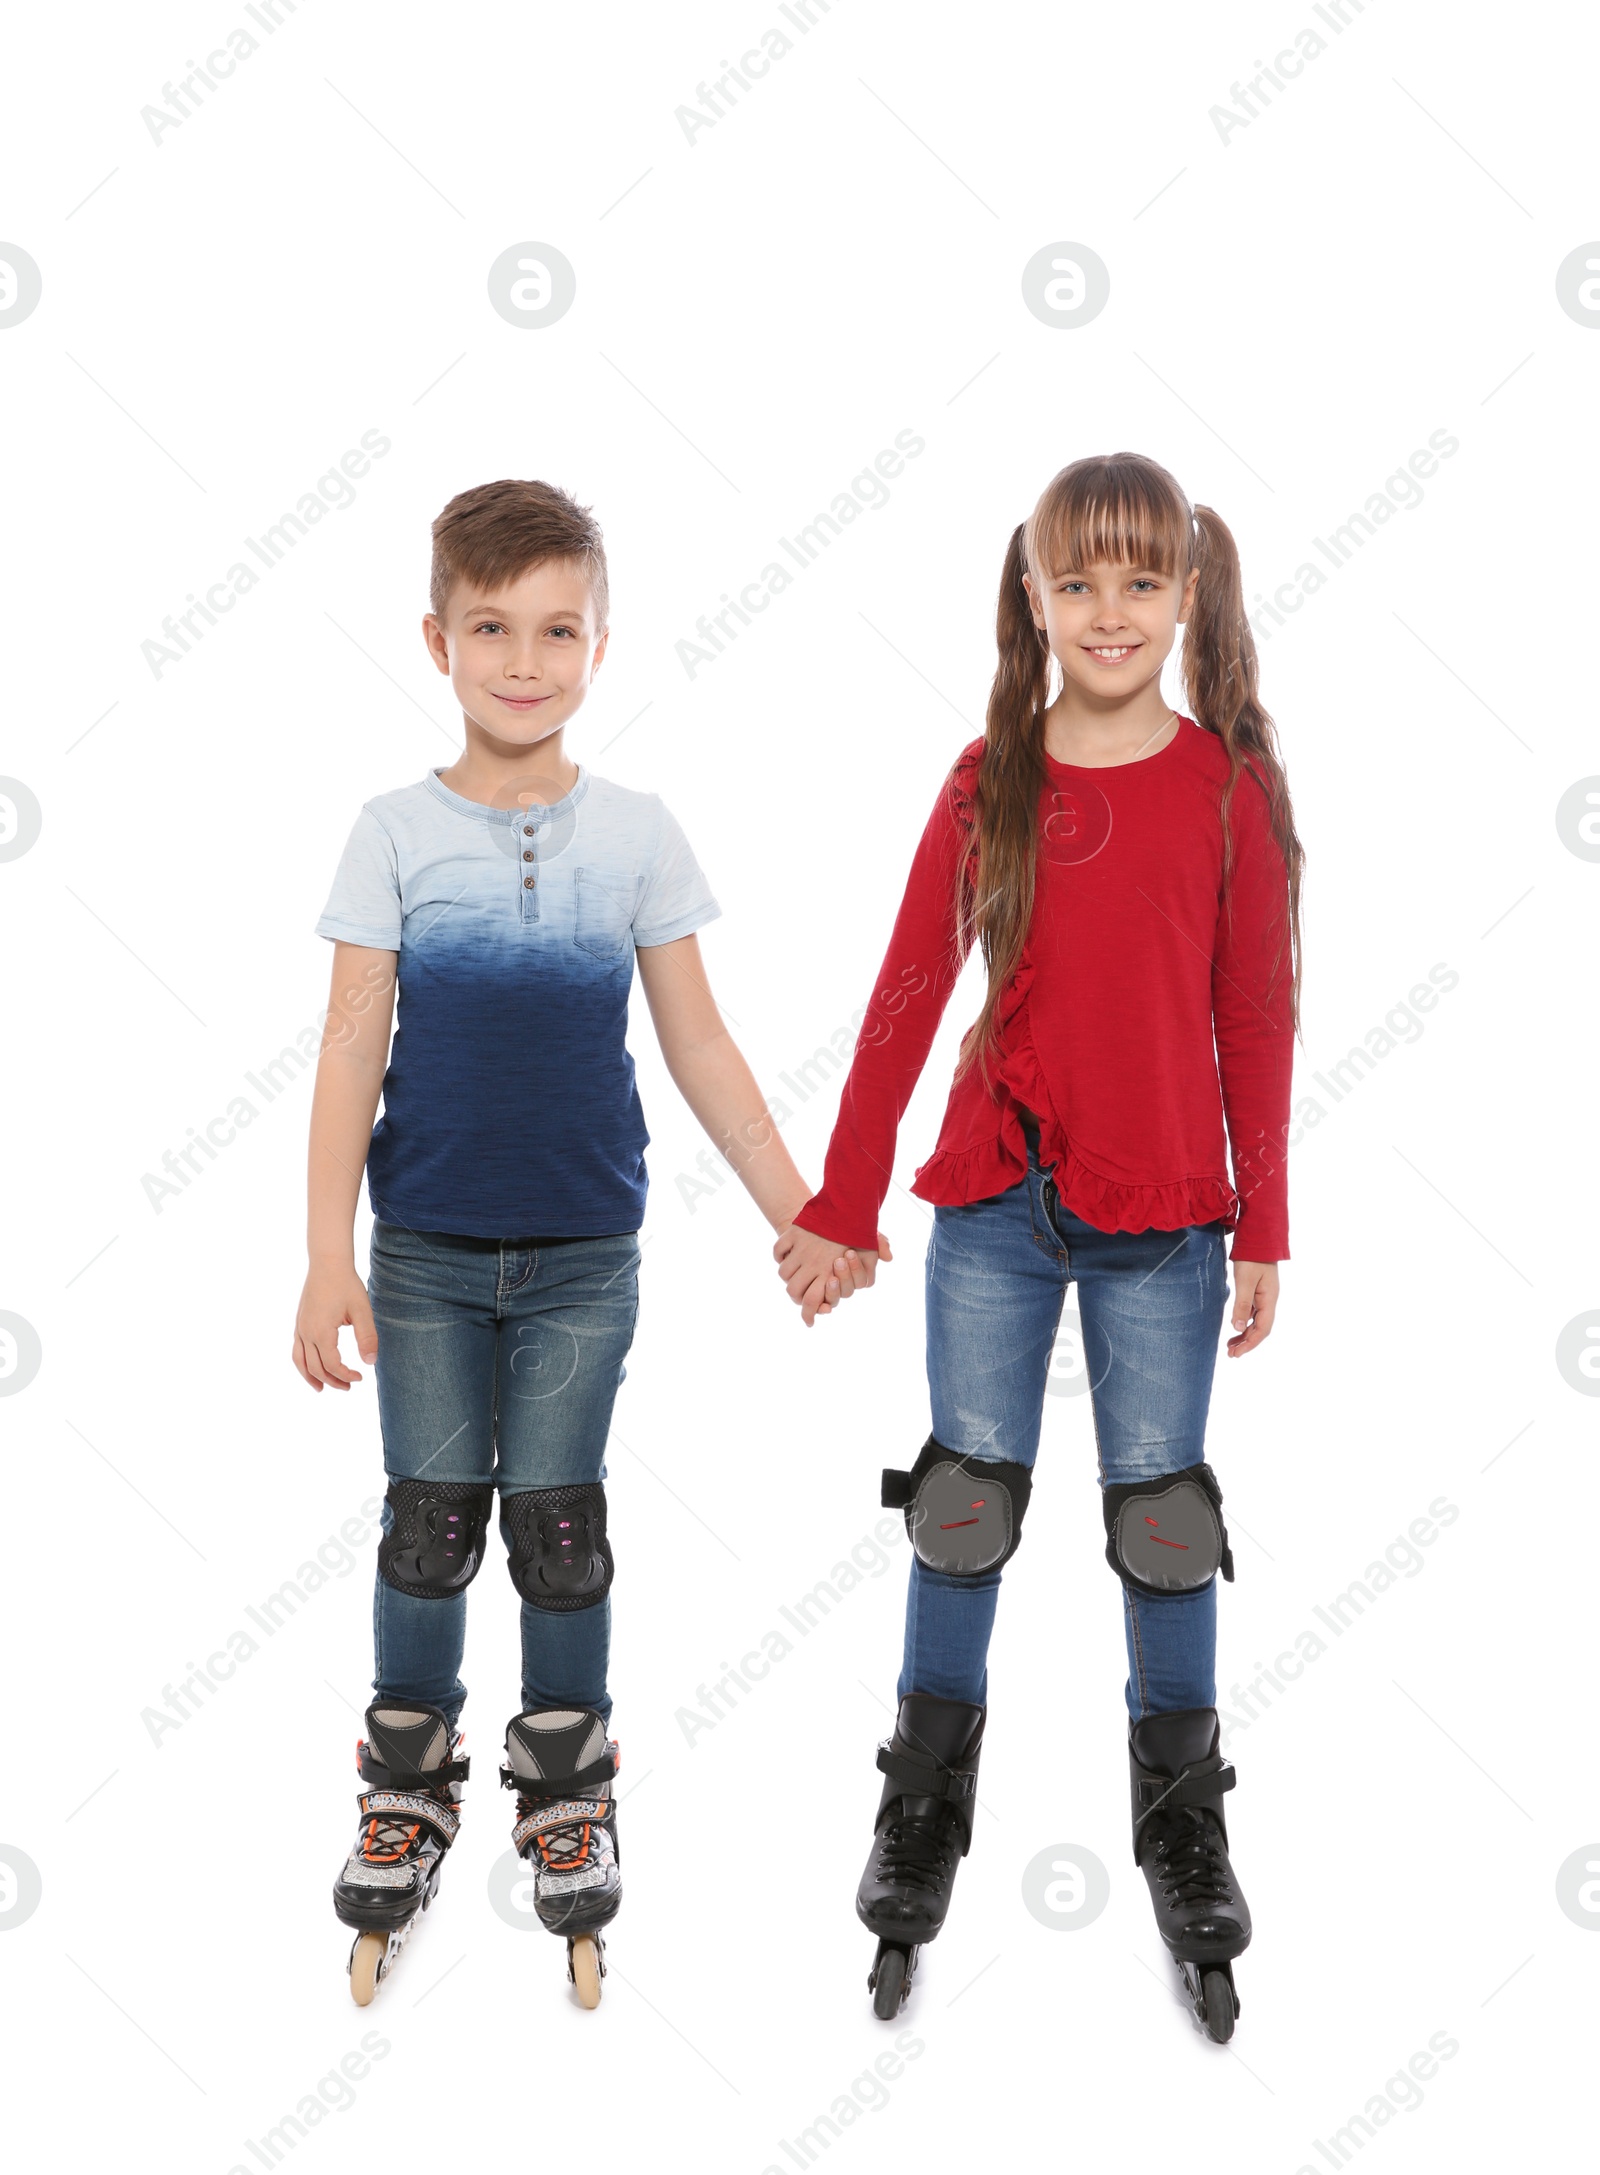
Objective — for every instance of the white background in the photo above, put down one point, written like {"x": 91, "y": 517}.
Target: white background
{"x": 1292, "y": 313}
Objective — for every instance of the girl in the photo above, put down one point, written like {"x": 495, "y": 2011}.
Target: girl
{"x": 1132, "y": 879}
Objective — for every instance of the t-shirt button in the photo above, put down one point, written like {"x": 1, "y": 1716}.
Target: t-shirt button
{"x": 527, "y": 857}
{"x": 527, "y": 830}
{"x": 528, "y": 882}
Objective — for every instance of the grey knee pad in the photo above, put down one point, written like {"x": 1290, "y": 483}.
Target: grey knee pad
{"x": 1166, "y": 1535}
{"x": 560, "y": 1557}
{"x": 435, "y": 1544}
{"x": 963, "y": 1514}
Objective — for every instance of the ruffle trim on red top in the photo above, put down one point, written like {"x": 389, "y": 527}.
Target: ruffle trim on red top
{"x": 959, "y": 1175}
{"x": 951, "y": 1177}
{"x": 1111, "y": 1205}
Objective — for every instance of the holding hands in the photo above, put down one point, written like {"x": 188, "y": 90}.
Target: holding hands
{"x": 818, "y": 1273}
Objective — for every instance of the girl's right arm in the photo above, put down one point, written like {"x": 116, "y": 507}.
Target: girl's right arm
{"x": 913, "y": 987}
{"x": 355, "y": 1055}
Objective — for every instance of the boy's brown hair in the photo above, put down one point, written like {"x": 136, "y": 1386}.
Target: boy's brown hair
{"x": 498, "y": 531}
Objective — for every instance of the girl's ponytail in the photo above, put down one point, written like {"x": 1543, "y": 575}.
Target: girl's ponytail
{"x": 994, "y": 898}
{"x": 1219, "y": 676}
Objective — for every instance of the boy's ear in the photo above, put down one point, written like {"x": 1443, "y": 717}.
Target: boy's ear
{"x": 599, "y": 651}
{"x": 438, "y": 648}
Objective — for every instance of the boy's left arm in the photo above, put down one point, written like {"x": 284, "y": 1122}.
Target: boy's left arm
{"x": 711, "y": 1075}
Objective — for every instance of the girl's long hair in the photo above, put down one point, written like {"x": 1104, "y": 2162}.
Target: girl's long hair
{"x": 1127, "y": 511}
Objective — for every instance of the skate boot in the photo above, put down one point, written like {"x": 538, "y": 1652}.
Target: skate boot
{"x": 923, "y": 1830}
{"x": 561, "y": 1763}
{"x": 409, "y": 1818}
{"x": 1181, "y": 1840}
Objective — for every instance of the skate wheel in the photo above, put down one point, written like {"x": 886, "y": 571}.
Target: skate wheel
{"x": 1218, "y": 2007}
{"x": 583, "y": 1961}
{"x": 889, "y": 1983}
{"x": 367, "y": 1960}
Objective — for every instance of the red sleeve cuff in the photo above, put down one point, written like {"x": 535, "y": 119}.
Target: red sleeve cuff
{"x": 824, "y": 1218}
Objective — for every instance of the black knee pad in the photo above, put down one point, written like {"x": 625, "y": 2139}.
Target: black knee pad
{"x": 1166, "y": 1535}
{"x": 963, "y": 1514}
{"x": 560, "y": 1557}
{"x": 435, "y": 1545}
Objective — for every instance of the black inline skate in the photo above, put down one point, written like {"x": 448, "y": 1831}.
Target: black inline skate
{"x": 561, "y": 1764}
{"x": 1180, "y": 1838}
{"x": 409, "y": 1818}
{"x": 923, "y": 1830}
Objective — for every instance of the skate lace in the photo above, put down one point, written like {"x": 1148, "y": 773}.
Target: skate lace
{"x": 1191, "y": 1858}
{"x": 913, "y": 1852}
{"x": 383, "y": 1842}
{"x": 564, "y": 1848}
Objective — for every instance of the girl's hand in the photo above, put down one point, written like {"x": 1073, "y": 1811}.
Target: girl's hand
{"x": 1255, "y": 1302}
{"x": 819, "y": 1273}
{"x": 334, "y": 1298}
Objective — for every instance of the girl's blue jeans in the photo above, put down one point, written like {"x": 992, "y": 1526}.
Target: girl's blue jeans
{"x": 498, "y": 1360}
{"x": 1151, "y": 1304}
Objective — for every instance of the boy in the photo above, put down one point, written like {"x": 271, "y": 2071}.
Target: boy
{"x": 507, "y": 898}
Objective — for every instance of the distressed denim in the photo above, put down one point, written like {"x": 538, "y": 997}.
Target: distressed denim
{"x": 1152, "y": 1305}
{"x": 498, "y": 1360}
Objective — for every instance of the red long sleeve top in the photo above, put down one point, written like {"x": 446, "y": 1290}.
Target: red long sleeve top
{"x": 1144, "y": 1010}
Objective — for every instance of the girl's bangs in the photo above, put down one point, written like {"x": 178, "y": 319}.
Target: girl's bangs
{"x": 1097, "y": 512}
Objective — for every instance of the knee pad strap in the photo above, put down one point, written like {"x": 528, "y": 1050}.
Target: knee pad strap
{"x": 1166, "y": 1535}
{"x": 434, "y": 1546}
{"x": 963, "y": 1514}
{"x": 560, "y": 1557}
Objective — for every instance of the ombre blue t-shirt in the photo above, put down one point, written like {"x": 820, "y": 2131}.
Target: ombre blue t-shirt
{"x": 509, "y": 1105}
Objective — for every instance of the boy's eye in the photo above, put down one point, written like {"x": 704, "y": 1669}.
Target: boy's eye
{"x": 489, "y": 626}
{"x": 572, "y": 631}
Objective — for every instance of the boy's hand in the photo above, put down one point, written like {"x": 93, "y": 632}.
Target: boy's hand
{"x": 1255, "y": 1302}
{"x": 819, "y": 1273}
{"x": 334, "y": 1297}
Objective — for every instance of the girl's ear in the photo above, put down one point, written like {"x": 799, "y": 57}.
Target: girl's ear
{"x": 1186, "y": 604}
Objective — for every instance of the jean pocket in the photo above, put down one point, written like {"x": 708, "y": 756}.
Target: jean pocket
{"x": 602, "y": 915}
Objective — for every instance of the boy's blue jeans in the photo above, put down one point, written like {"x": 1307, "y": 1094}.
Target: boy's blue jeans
{"x": 1151, "y": 1304}
{"x": 498, "y": 1359}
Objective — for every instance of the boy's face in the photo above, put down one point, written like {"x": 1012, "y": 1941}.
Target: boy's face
{"x": 520, "y": 657}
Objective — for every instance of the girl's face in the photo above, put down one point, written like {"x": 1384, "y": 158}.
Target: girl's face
{"x": 1110, "y": 628}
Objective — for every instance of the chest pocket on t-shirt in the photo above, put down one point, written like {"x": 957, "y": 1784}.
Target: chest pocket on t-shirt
{"x": 604, "y": 913}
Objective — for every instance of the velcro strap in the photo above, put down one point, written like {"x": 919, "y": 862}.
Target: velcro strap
{"x": 923, "y": 1776}
{"x": 412, "y": 1804}
{"x": 897, "y": 1489}
{"x": 600, "y": 1770}
{"x": 405, "y": 1778}
{"x": 560, "y": 1812}
{"x": 1192, "y": 1787}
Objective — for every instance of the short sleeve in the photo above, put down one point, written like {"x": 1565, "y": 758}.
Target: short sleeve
{"x": 676, "y": 899}
{"x": 364, "y": 904}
